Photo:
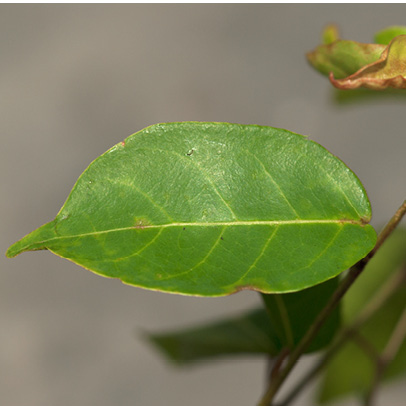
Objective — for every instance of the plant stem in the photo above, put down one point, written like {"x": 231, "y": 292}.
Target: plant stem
{"x": 387, "y": 356}
{"x": 388, "y": 229}
{"x": 366, "y": 346}
{"x": 277, "y": 364}
{"x": 396, "y": 282}
{"x": 396, "y": 340}
{"x": 275, "y": 384}
{"x": 352, "y": 275}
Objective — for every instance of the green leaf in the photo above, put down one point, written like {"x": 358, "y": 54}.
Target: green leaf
{"x": 251, "y": 333}
{"x": 293, "y": 313}
{"x": 386, "y": 35}
{"x": 351, "y": 370}
{"x": 343, "y": 57}
{"x": 257, "y": 332}
{"x": 388, "y": 71}
{"x": 210, "y": 209}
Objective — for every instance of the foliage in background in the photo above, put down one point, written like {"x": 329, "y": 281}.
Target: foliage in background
{"x": 351, "y": 64}
{"x": 262, "y": 331}
{"x": 340, "y": 379}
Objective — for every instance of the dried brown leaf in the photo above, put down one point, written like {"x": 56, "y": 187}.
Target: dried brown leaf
{"x": 388, "y": 71}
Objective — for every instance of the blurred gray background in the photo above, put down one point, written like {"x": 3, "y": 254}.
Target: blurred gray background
{"x": 77, "y": 79}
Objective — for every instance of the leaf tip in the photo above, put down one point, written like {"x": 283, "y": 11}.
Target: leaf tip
{"x": 34, "y": 241}
{"x": 18, "y": 248}
{"x": 12, "y": 251}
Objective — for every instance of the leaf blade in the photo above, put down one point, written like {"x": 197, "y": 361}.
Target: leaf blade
{"x": 292, "y": 314}
{"x": 248, "y": 334}
{"x": 173, "y": 207}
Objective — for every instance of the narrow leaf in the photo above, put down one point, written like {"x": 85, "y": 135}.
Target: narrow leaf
{"x": 330, "y": 34}
{"x": 388, "y": 71}
{"x": 210, "y": 209}
{"x": 351, "y": 371}
{"x": 260, "y": 331}
{"x": 251, "y": 334}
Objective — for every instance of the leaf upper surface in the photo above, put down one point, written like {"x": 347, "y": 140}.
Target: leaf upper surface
{"x": 210, "y": 209}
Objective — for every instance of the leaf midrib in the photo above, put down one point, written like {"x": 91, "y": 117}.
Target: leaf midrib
{"x": 43, "y": 242}
{"x": 218, "y": 224}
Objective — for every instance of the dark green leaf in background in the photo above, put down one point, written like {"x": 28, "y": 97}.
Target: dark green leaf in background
{"x": 351, "y": 370}
{"x": 212, "y": 208}
{"x": 292, "y": 314}
{"x": 251, "y": 333}
{"x": 287, "y": 318}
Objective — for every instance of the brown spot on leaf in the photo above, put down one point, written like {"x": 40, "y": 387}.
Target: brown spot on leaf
{"x": 141, "y": 223}
{"x": 244, "y": 287}
{"x": 364, "y": 221}
{"x": 361, "y": 222}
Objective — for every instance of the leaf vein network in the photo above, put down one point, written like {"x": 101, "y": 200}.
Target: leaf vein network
{"x": 205, "y": 175}
{"x": 317, "y": 257}
{"x": 137, "y": 253}
{"x": 275, "y": 184}
{"x": 202, "y": 261}
{"x": 338, "y": 187}
{"x": 254, "y": 263}
{"x": 146, "y": 195}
